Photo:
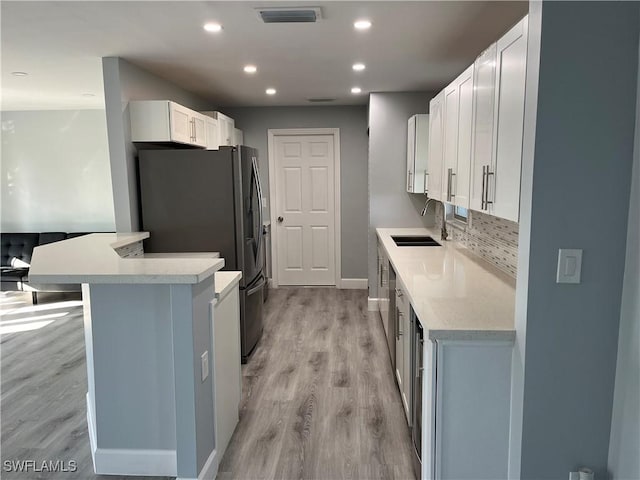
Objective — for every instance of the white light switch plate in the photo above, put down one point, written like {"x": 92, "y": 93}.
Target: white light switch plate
{"x": 569, "y": 265}
{"x": 204, "y": 360}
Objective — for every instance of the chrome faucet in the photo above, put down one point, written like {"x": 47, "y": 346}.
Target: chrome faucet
{"x": 444, "y": 234}
{"x": 426, "y": 206}
{"x": 443, "y": 228}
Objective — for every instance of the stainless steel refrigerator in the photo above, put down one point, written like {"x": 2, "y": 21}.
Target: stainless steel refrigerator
{"x": 209, "y": 201}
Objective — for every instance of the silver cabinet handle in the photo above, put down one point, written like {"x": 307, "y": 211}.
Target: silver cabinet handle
{"x": 450, "y": 176}
{"x": 426, "y": 182}
{"x": 484, "y": 176}
{"x": 409, "y": 182}
{"x": 418, "y": 353}
{"x": 487, "y": 202}
{"x": 399, "y": 330}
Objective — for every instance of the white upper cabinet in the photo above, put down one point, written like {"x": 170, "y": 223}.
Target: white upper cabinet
{"x": 484, "y": 78}
{"x": 435, "y": 158}
{"x": 238, "y": 137}
{"x": 166, "y": 121}
{"x": 457, "y": 139}
{"x": 417, "y": 153}
{"x": 226, "y": 126}
{"x": 213, "y": 132}
{"x": 499, "y": 124}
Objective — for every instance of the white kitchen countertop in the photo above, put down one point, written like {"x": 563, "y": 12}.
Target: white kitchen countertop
{"x": 93, "y": 259}
{"x": 225, "y": 281}
{"x": 455, "y": 294}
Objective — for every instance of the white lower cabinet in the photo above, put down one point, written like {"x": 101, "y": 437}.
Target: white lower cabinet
{"x": 403, "y": 350}
{"x": 227, "y": 381}
{"x": 465, "y": 409}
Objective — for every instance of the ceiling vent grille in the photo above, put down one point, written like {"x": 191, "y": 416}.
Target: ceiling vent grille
{"x": 320, "y": 100}
{"x": 290, "y": 14}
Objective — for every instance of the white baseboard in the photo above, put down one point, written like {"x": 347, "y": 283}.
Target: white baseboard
{"x": 117, "y": 461}
{"x": 209, "y": 470}
{"x": 354, "y": 283}
{"x": 372, "y": 304}
{"x": 92, "y": 433}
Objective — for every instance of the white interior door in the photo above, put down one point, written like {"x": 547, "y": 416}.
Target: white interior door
{"x": 305, "y": 209}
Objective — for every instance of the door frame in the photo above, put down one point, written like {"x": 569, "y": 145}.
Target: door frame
{"x": 272, "y": 133}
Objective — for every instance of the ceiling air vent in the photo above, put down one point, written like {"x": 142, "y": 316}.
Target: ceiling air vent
{"x": 320, "y": 100}
{"x": 290, "y": 14}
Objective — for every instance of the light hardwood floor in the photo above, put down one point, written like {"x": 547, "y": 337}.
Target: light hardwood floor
{"x": 319, "y": 399}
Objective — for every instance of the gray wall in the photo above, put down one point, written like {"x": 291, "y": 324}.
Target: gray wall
{"x": 624, "y": 445}
{"x": 579, "y": 155}
{"x": 124, "y": 82}
{"x": 352, "y": 122}
{"x": 389, "y": 203}
{"x": 50, "y": 160}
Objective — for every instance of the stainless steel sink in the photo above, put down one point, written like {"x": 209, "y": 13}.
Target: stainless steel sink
{"x": 414, "y": 241}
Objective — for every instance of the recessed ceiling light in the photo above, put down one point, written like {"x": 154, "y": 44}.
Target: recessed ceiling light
{"x": 19, "y": 74}
{"x": 212, "y": 27}
{"x": 270, "y": 91}
{"x": 250, "y": 69}
{"x": 362, "y": 24}
{"x": 358, "y": 67}
{"x": 356, "y": 90}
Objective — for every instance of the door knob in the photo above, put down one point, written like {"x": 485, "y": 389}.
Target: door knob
{"x": 280, "y": 219}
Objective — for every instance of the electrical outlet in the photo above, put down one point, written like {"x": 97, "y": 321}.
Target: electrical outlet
{"x": 204, "y": 360}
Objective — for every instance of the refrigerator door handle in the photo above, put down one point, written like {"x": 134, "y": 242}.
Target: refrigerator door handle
{"x": 259, "y": 191}
{"x": 260, "y": 285}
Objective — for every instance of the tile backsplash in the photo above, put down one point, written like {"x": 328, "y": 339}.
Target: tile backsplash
{"x": 491, "y": 238}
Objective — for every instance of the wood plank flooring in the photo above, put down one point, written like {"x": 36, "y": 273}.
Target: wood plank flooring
{"x": 319, "y": 399}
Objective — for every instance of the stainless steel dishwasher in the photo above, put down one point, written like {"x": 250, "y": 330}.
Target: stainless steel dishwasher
{"x": 417, "y": 357}
{"x": 392, "y": 318}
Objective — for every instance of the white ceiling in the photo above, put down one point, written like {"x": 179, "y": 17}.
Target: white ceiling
{"x": 412, "y": 46}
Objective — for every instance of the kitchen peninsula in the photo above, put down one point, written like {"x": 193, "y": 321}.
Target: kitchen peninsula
{"x": 148, "y": 338}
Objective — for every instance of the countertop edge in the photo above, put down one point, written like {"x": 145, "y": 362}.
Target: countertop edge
{"x": 229, "y": 283}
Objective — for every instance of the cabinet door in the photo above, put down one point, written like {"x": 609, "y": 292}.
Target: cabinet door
{"x": 399, "y": 346}
{"x": 451, "y": 103}
{"x": 484, "y": 77}
{"x": 238, "y": 137}
{"x": 504, "y": 184}
{"x": 435, "y": 158}
{"x": 212, "y": 133}
{"x": 180, "y": 123}
{"x": 199, "y": 130}
{"x": 380, "y": 283}
{"x": 407, "y": 377}
{"x": 411, "y": 153}
{"x": 465, "y": 121}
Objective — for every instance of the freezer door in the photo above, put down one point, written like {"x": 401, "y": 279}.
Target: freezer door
{"x": 251, "y": 313}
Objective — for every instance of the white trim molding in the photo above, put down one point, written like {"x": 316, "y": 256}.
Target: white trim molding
{"x": 271, "y": 134}
{"x": 93, "y": 443}
{"x": 353, "y": 284}
{"x": 372, "y": 304}
{"x": 117, "y": 461}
